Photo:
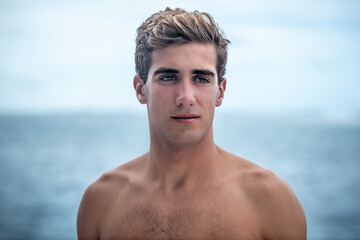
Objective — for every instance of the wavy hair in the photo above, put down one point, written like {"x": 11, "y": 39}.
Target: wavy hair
{"x": 178, "y": 26}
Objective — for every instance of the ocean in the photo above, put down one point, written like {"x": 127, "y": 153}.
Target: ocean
{"x": 47, "y": 161}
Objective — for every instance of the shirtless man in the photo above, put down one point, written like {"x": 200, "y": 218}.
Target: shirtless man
{"x": 186, "y": 187}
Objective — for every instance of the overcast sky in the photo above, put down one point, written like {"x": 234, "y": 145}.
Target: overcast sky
{"x": 79, "y": 55}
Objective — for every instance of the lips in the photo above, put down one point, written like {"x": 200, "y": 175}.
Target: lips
{"x": 186, "y": 118}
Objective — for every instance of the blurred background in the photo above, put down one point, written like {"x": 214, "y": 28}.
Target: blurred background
{"x": 68, "y": 111}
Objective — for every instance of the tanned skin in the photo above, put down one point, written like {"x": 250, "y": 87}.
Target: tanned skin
{"x": 186, "y": 187}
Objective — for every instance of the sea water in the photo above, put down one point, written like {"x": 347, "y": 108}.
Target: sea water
{"x": 47, "y": 161}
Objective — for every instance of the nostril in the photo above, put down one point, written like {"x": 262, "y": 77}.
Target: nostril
{"x": 185, "y": 96}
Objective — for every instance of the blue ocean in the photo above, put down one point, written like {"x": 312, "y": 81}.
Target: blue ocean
{"x": 47, "y": 161}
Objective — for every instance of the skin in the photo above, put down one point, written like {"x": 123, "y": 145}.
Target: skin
{"x": 186, "y": 187}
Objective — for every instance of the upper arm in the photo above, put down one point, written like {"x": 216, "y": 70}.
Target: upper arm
{"x": 96, "y": 204}
{"x": 87, "y": 215}
{"x": 281, "y": 212}
{"x": 284, "y": 214}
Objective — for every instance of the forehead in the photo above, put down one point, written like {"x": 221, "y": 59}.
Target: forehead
{"x": 188, "y": 56}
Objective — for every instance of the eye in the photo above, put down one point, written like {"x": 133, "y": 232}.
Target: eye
{"x": 201, "y": 80}
{"x": 167, "y": 78}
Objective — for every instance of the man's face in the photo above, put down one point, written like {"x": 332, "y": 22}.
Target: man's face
{"x": 181, "y": 93}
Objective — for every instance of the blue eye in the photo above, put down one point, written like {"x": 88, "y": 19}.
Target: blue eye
{"x": 167, "y": 78}
{"x": 201, "y": 80}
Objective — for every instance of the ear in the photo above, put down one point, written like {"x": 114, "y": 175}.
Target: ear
{"x": 220, "y": 97}
{"x": 139, "y": 87}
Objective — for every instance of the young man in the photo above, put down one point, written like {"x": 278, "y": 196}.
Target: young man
{"x": 186, "y": 187}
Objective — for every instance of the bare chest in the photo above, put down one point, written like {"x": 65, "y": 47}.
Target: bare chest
{"x": 205, "y": 220}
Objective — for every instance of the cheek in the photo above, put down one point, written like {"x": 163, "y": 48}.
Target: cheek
{"x": 159, "y": 98}
{"x": 208, "y": 98}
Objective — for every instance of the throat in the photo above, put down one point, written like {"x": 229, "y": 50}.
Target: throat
{"x": 183, "y": 172}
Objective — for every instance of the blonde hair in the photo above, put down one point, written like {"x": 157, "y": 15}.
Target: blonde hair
{"x": 178, "y": 26}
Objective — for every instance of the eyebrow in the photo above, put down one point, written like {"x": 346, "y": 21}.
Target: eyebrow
{"x": 165, "y": 70}
{"x": 203, "y": 72}
{"x": 172, "y": 70}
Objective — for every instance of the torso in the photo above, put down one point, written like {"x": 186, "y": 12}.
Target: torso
{"x": 245, "y": 201}
{"x": 220, "y": 212}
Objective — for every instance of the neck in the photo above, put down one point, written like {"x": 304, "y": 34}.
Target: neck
{"x": 181, "y": 166}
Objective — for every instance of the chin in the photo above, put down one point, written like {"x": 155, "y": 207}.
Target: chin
{"x": 185, "y": 139}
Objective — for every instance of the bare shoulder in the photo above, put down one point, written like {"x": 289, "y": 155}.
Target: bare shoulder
{"x": 279, "y": 208}
{"x": 110, "y": 183}
{"x": 99, "y": 196}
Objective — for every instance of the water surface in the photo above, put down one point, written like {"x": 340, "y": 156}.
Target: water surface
{"x": 46, "y": 162}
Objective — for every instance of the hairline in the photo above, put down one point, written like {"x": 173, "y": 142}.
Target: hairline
{"x": 184, "y": 43}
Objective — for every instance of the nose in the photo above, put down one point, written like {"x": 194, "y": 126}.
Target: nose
{"x": 185, "y": 96}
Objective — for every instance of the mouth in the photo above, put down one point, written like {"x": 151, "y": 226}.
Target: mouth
{"x": 185, "y": 118}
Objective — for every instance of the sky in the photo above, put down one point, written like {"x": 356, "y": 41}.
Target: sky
{"x": 285, "y": 55}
